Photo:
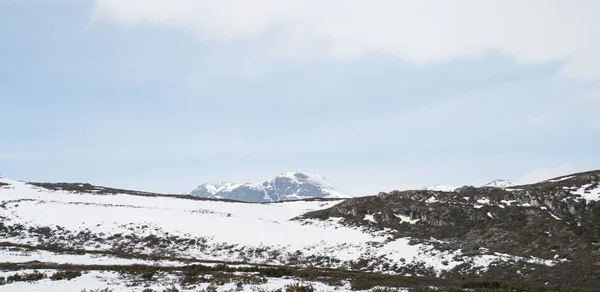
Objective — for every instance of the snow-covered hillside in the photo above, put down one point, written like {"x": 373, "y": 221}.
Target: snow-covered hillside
{"x": 412, "y": 233}
{"x": 285, "y": 187}
{"x": 208, "y": 230}
{"x": 60, "y": 227}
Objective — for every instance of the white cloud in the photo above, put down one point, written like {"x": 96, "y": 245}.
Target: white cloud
{"x": 544, "y": 173}
{"x": 416, "y": 31}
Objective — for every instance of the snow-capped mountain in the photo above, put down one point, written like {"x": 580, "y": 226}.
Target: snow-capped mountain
{"x": 285, "y": 187}
{"x": 500, "y": 183}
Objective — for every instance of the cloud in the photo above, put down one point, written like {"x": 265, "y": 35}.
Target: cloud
{"x": 420, "y": 32}
{"x": 544, "y": 173}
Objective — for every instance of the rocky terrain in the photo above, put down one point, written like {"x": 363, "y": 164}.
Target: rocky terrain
{"x": 538, "y": 237}
{"x": 285, "y": 187}
{"x": 557, "y": 219}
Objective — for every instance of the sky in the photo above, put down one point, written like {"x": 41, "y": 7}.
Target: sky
{"x": 374, "y": 95}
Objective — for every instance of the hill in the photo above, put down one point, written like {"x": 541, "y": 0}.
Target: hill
{"x": 535, "y": 237}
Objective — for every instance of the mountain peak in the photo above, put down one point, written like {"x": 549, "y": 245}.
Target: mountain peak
{"x": 287, "y": 186}
{"x": 295, "y": 175}
{"x": 305, "y": 177}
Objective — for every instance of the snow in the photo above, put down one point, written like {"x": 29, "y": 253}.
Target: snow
{"x": 484, "y": 201}
{"x": 399, "y": 249}
{"x": 89, "y": 280}
{"x": 255, "y": 224}
{"x": 370, "y": 218}
{"x": 311, "y": 177}
{"x": 499, "y": 183}
{"x": 299, "y": 178}
{"x": 406, "y": 219}
{"x": 218, "y": 187}
{"x": 92, "y": 280}
{"x": 23, "y": 256}
{"x": 588, "y": 194}
{"x": 432, "y": 199}
{"x": 561, "y": 178}
{"x": 242, "y": 225}
{"x": 490, "y": 215}
{"x": 513, "y": 189}
{"x": 446, "y": 260}
{"x": 238, "y": 226}
{"x": 318, "y": 180}
{"x": 509, "y": 202}
{"x": 440, "y": 188}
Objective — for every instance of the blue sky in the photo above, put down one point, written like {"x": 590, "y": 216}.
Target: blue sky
{"x": 378, "y": 96}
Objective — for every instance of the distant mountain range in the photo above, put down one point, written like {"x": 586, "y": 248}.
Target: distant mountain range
{"x": 295, "y": 186}
{"x": 285, "y": 187}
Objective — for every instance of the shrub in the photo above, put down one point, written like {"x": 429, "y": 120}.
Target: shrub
{"x": 252, "y": 280}
{"x": 221, "y": 278}
{"x": 65, "y": 275}
{"x": 506, "y": 286}
{"x": 172, "y": 289}
{"x": 422, "y": 289}
{"x": 297, "y": 287}
{"x": 259, "y": 289}
{"x": 190, "y": 277}
{"x": 361, "y": 283}
{"x": 148, "y": 275}
{"x": 140, "y": 270}
{"x": 31, "y": 277}
{"x": 222, "y": 267}
{"x": 276, "y": 272}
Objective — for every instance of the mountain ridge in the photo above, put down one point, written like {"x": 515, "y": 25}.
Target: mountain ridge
{"x": 284, "y": 187}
